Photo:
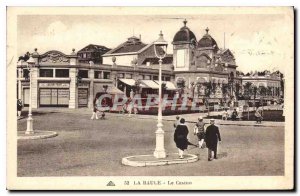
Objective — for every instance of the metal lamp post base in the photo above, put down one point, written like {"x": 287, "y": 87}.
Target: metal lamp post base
{"x": 29, "y": 129}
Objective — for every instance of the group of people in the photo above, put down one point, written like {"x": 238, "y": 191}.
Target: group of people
{"x": 234, "y": 115}
{"x": 129, "y": 107}
{"x": 209, "y": 134}
{"x": 225, "y": 115}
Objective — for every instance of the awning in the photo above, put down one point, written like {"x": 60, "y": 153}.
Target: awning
{"x": 150, "y": 84}
{"x": 98, "y": 88}
{"x": 202, "y": 79}
{"x": 130, "y": 82}
{"x": 169, "y": 85}
{"x": 114, "y": 90}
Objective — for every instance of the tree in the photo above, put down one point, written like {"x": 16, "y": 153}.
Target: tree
{"x": 269, "y": 91}
{"x": 254, "y": 91}
{"x": 262, "y": 91}
{"x": 247, "y": 90}
{"x": 237, "y": 89}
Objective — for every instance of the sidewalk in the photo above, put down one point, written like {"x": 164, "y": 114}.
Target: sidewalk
{"x": 192, "y": 118}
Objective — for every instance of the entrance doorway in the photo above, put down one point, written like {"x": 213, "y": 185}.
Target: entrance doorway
{"x": 54, "y": 97}
{"x": 82, "y": 97}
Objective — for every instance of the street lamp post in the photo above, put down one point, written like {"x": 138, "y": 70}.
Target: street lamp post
{"x": 160, "y": 49}
{"x": 29, "y": 130}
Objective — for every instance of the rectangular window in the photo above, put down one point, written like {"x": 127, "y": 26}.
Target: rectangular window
{"x": 25, "y": 73}
{"x": 84, "y": 55}
{"x": 147, "y": 77}
{"x": 167, "y": 79}
{"x": 46, "y": 73}
{"x": 155, "y": 77}
{"x": 121, "y": 75}
{"x": 128, "y": 76}
{"x": 62, "y": 73}
{"x": 106, "y": 75}
{"x": 180, "y": 58}
{"x": 83, "y": 73}
{"x": 98, "y": 75}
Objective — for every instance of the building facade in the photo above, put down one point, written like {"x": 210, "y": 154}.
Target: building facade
{"x": 200, "y": 69}
{"x": 265, "y": 85}
{"x": 61, "y": 80}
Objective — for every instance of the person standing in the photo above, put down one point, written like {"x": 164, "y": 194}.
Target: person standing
{"x": 199, "y": 131}
{"x": 225, "y": 115}
{"x": 19, "y": 107}
{"x": 180, "y": 137}
{"x": 95, "y": 110}
{"x": 258, "y": 115}
{"x": 234, "y": 115}
{"x": 212, "y": 136}
{"x": 129, "y": 107}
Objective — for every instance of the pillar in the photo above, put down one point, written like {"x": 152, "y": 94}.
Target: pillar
{"x": 73, "y": 101}
{"x": 20, "y": 96}
{"x": 34, "y": 86}
{"x": 114, "y": 77}
{"x": 91, "y": 88}
{"x": 34, "y": 80}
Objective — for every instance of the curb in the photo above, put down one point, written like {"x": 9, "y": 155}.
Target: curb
{"x": 254, "y": 125}
{"x": 46, "y": 134}
{"x": 126, "y": 161}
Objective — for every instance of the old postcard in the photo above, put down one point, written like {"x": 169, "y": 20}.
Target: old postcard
{"x": 150, "y": 98}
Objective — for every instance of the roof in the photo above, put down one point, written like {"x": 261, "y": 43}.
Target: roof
{"x": 130, "y": 48}
{"x": 207, "y": 41}
{"x": 94, "y": 47}
{"x": 154, "y": 60}
{"x": 133, "y": 44}
{"x": 184, "y": 35}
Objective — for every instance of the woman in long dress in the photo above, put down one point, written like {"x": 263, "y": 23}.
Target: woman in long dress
{"x": 180, "y": 137}
{"x": 95, "y": 110}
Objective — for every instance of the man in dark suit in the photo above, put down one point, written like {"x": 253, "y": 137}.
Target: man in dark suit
{"x": 212, "y": 137}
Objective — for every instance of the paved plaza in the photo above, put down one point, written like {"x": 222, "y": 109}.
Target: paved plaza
{"x": 87, "y": 147}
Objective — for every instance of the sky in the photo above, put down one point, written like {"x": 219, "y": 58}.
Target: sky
{"x": 258, "y": 42}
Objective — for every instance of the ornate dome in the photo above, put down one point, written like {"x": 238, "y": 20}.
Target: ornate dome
{"x": 207, "y": 41}
{"x": 184, "y": 35}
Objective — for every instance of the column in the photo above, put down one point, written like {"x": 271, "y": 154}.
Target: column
{"x": 114, "y": 77}
{"x": 34, "y": 86}
{"x": 20, "y": 84}
{"x": 73, "y": 102}
{"x": 91, "y": 88}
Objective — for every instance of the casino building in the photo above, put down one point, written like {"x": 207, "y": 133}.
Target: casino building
{"x": 198, "y": 68}
{"x": 201, "y": 67}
